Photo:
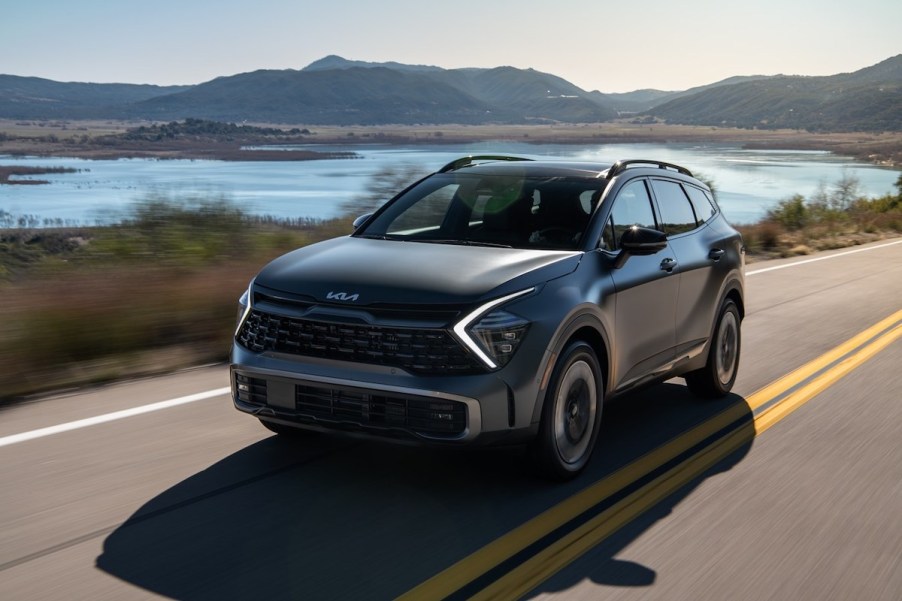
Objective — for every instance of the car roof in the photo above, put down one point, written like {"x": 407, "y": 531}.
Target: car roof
{"x": 522, "y": 167}
{"x": 505, "y": 165}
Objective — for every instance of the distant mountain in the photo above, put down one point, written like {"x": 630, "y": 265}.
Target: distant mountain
{"x": 336, "y": 62}
{"x": 332, "y": 96}
{"x": 645, "y": 100}
{"x": 334, "y": 90}
{"x": 867, "y": 100}
{"x": 638, "y": 101}
{"x": 884, "y": 71}
{"x": 529, "y": 95}
{"x": 36, "y": 98}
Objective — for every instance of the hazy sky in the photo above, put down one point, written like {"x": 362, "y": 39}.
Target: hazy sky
{"x": 596, "y": 44}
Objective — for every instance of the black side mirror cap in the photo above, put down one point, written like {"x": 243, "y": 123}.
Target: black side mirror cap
{"x": 639, "y": 241}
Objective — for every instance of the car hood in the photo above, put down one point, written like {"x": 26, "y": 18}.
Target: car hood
{"x": 361, "y": 272}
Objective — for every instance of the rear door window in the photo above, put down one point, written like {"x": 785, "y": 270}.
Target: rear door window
{"x": 677, "y": 214}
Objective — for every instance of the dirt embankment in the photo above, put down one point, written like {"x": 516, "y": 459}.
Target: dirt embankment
{"x": 211, "y": 150}
{"x": 8, "y": 173}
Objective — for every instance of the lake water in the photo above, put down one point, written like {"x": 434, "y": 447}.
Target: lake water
{"x": 748, "y": 182}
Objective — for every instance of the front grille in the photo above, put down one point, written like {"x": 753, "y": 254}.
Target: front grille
{"x": 422, "y": 416}
{"x": 377, "y": 412}
{"x": 425, "y": 351}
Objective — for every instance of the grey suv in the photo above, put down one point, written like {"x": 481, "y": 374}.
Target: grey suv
{"x": 499, "y": 300}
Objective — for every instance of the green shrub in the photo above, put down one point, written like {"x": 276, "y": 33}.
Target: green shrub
{"x": 791, "y": 213}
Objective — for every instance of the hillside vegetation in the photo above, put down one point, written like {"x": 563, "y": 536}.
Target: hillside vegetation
{"x": 37, "y": 98}
{"x": 867, "y": 100}
{"x": 335, "y": 91}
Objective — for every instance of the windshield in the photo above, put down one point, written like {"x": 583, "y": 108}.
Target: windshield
{"x": 491, "y": 210}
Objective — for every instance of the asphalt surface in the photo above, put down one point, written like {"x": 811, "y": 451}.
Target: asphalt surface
{"x": 197, "y": 501}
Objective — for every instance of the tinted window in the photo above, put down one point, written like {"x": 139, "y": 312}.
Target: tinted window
{"x": 677, "y": 215}
{"x": 631, "y": 207}
{"x": 704, "y": 210}
{"x": 508, "y": 209}
{"x": 425, "y": 215}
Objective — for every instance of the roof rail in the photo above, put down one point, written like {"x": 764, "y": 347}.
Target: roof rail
{"x": 469, "y": 160}
{"x": 621, "y": 166}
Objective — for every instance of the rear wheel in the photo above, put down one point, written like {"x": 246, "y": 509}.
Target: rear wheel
{"x": 571, "y": 415}
{"x": 716, "y": 378}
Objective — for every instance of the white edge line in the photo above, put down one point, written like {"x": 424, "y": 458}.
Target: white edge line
{"x": 109, "y": 417}
{"x": 848, "y": 252}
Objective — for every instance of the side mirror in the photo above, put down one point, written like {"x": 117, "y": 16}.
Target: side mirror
{"x": 360, "y": 221}
{"x": 639, "y": 241}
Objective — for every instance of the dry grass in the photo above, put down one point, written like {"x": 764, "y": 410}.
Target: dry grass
{"x": 93, "y": 326}
{"x": 769, "y": 240}
{"x": 157, "y": 293}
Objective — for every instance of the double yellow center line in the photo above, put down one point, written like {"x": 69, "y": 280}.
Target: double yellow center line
{"x": 768, "y": 405}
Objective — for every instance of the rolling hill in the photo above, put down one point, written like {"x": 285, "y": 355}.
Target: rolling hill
{"x": 336, "y": 91}
{"x": 36, "y": 98}
{"x": 867, "y": 100}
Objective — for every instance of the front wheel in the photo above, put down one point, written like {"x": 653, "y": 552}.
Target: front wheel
{"x": 716, "y": 378}
{"x": 571, "y": 415}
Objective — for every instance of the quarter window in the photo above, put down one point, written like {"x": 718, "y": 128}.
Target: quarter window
{"x": 704, "y": 210}
{"x": 677, "y": 215}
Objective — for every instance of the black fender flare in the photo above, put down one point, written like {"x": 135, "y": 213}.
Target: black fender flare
{"x": 582, "y": 317}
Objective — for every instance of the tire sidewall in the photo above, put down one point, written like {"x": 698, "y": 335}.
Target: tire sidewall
{"x": 724, "y": 388}
{"x": 549, "y": 455}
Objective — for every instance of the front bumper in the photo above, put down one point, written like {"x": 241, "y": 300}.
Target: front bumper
{"x": 383, "y": 402}
{"x": 341, "y": 404}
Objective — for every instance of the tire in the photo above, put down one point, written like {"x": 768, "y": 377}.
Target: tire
{"x": 571, "y": 415}
{"x": 282, "y": 430}
{"x": 716, "y": 378}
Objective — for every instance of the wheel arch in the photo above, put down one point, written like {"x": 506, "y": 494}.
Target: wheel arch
{"x": 732, "y": 289}
{"x": 734, "y": 294}
{"x": 588, "y": 328}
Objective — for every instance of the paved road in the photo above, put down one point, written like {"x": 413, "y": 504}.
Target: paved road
{"x": 196, "y": 501}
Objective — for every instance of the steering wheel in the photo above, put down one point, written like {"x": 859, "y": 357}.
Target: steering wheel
{"x": 556, "y": 234}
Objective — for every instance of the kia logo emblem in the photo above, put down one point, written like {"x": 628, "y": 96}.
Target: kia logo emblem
{"x": 342, "y": 296}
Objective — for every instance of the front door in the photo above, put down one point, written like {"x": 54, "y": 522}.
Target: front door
{"x": 647, "y": 289}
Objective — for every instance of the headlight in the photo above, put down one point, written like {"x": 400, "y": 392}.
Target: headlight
{"x": 493, "y": 336}
{"x": 499, "y": 334}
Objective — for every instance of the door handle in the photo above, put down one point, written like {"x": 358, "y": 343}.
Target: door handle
{"x": 716, "y": 254}
{"x": 668, "y": 264}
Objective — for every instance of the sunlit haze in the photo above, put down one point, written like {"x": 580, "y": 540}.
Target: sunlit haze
{"x": 606, "y": 46}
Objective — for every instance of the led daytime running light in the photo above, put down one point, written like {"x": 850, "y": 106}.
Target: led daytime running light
{"x": 245, "y": 298}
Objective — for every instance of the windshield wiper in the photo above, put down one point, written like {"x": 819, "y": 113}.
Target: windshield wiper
{"x": 378, "y": 237}
{"x": 466, "y": 243}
